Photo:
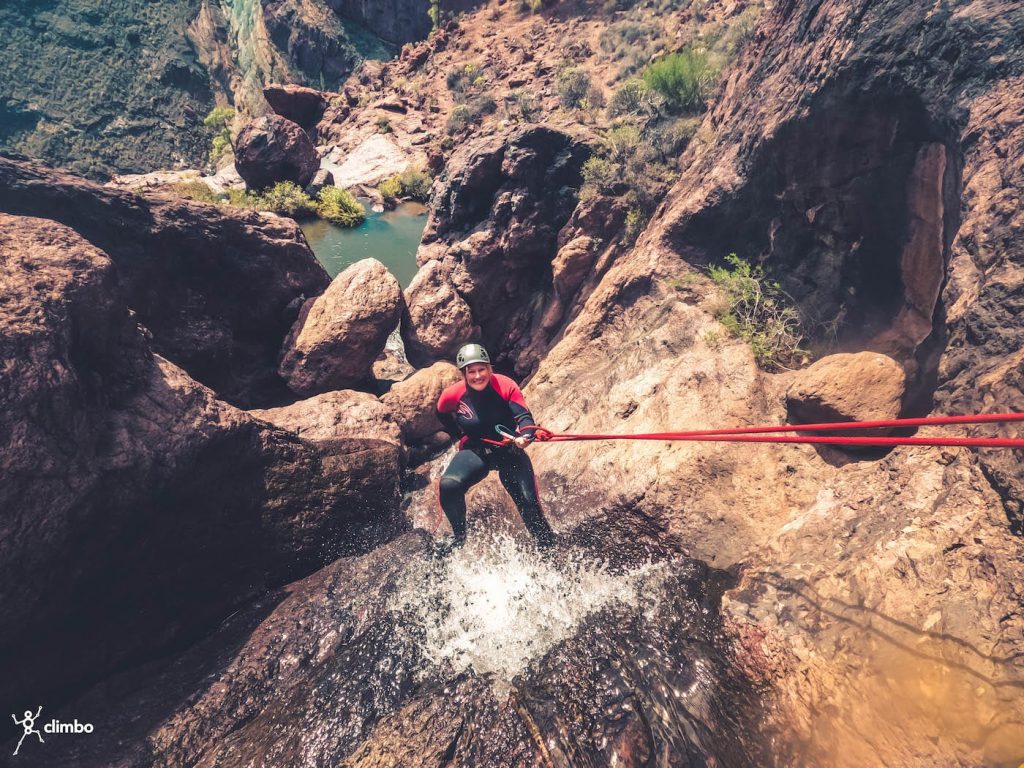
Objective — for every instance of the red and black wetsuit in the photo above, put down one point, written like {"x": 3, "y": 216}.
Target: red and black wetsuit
{"x": 474, "y": 415}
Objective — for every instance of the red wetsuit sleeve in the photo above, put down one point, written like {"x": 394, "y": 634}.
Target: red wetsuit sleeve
{"x": 447, "y": 405}
{"x": 510, "y": 391}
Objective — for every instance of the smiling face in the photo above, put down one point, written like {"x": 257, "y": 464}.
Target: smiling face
{"x": 477, "y": 375}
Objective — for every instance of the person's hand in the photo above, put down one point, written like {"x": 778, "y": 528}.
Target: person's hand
{"x": 521, "y": 442}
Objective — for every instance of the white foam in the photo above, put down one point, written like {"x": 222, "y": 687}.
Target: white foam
{"x": 496, "y": 605}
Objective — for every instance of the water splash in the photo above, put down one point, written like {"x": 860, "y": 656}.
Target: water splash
{"x": 497, "y": 604}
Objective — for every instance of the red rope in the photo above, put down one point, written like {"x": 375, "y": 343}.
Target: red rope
{"x": 756, "y": 434}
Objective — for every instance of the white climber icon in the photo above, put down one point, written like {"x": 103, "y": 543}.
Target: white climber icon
{"x": 28, "y": 723}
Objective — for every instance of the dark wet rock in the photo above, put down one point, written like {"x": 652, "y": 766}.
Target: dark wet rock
{"x": 494, "y": 228}
{"x": 361, "y": 444}
{"x": 338, "y": 335}
{"x": 866, "y": 386}
{"x": 334, "y": 670}
{"x": 303, "y": 106}
{"x": 270, "y": 149}
{"x": 313, "y": 40}
{"x": 137, "y": 509}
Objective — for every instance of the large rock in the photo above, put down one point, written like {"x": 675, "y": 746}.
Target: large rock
{"x": 412, "y": 401}
{"x": 350, "y": 667}
{"x": 136, "y": 509}
{"x": 211, "y": 285}
{"x": 866, "y": 386}
{"x": 270, "y": 149}
{"x": 494, "y": 227}
{"x": 338, "y": 335}
{"x": 303, "y": 106}
{"x": 436, "y": 320}
{"x": 361, "y": 444}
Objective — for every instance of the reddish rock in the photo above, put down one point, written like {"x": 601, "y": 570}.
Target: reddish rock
{"x": 270, "y": 149}
{"x": 436, "y": 320}
{"x": 494, "y": 225}
{"x": 865, "y": 386}
{"x": 303, "y": 106}
{"x": 413, "y": 401}
{"x": 361, "y": 444}
{"x": 338, "y": 335}
{"x": 137, "y": 509}
{"x": 572, "y": 263}
{"x": 212, "y": 285}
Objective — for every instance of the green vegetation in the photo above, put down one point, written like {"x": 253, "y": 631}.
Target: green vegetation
{"x": 434, "y": 12}
{"x": 573, "y": 87}
{"x": 757, "y": 310}
{"x": 684, "y": 79}
{"x": 219, "y": 123}
{"x": 414, "y": 185}
{"x": 383, "y": 125}
{"x": 525, "y": 106}
{"x": 339, "y": 207}
{"x": 634, "y": 97}
{"x": 287, "y": 199}
{"x": 195, "y": 190}
{"x": 473, "y": 100}
{"x": 470, "y": 113}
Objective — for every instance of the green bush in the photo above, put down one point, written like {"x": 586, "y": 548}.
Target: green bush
{"x": 757, "y": 310}
{"x": 219, "y": 122}
{"x": 458, "y": 119}
{"x": 573, "y": 87}
{"x": 526, "y": 105}
{"x": 411, "y": 184}
{"x": 599, "y": 176}
{"x": 470, "y": 113}
{"x": 415, "y": 185}
{"x": 287, "y": 199}
{"x": 684, "y": 79}
{"x": 339, "y": 207}
{"x": 383, "y": 124}
{"x": 390, "y": 189}
{"x": 195, "y": 190}
{"x": 239, "y": 198}
{"x": 633, "y": 97}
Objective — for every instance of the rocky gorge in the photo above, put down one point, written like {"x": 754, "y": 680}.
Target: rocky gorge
{"x": 218, "y": 473}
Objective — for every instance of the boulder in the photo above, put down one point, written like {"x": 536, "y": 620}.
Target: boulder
{"x": 270, "y": 149}
{"x": 864, "y": 386}
{"x": 210, "y": 284}
{"x": 436, "y": 320}
{"x": 360, "y": 442}
{"x": 136, "y": 508}
{"x": 303, "y": 106}
{"x": 322, "y": 178}
{"x": 339, "y": 334}
{"x": 572, "y": 263}
{"x": 412, "y": 401}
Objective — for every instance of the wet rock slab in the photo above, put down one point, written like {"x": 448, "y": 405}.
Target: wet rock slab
{"x": 348, "y": 667}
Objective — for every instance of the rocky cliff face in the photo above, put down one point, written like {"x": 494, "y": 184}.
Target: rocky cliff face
{"x": 858, "y": 150}
{"x": 866, "y": 154}
{"x": 213, "y": 289}
{"x": 67, "y": 96}
{"x": 138, "y": 509}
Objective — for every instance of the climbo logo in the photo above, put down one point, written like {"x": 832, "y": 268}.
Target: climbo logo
{"x": 28, "y": 723}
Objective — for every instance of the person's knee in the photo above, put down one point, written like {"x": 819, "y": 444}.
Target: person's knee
{"x": 451, "y": 486}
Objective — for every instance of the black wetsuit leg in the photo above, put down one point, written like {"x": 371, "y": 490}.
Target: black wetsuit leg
{"x": 464, "y": 471}
{"x": 516, "y": 473}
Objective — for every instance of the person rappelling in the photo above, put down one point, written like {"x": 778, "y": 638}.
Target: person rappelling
{"x": 487, "y": 413}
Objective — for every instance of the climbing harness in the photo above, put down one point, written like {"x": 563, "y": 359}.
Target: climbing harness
{"x": 768, "y": 434}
